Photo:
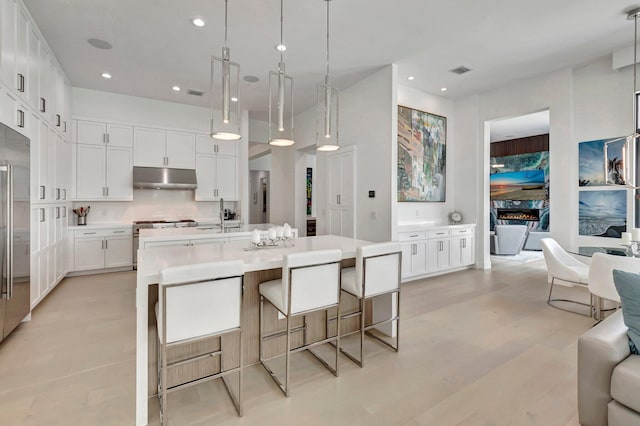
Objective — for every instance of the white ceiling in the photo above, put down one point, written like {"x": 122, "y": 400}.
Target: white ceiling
{"x": 520, "y": 127}
{"x": 155, "y": 45}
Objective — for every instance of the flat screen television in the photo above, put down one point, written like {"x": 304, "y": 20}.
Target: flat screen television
{"x": 521, "y": 185}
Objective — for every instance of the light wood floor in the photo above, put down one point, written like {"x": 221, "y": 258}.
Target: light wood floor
{"x": 477, "y": 348}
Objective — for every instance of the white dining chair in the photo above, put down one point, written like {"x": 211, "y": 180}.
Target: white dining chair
{"x": 377, "y": 273}
{"x": 601, "y": 283}
{"x": 310, "y": 282}
{"x": 197, "y": 303}
{"x": 563, "y": 269}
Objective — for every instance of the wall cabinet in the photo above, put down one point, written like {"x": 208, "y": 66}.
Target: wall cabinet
{"x": 340, "y": 204}
{"x": 217, "y": 177}
{"x": 205, "y": 144}
{"x": 102, "y": 249}
{"x": 163, "y": 148}
{"x": 436, "y": 250}
{"x": 98, "y": 133}
{"x": 104, "y": 173}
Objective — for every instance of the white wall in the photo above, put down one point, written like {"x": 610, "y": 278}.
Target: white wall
{"x": 367, "y": 121}
{"x": 586, "y": 103}
{"x": 113, "y": 107}
{"x": 261, "y": 163}
{"x": 410, "y": 212}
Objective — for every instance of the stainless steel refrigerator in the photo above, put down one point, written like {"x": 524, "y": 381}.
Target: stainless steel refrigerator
{"x": 14, "y": 229}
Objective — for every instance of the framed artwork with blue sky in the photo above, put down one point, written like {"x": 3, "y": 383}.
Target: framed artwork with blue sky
{"x": 602, "y": 213}
{"x": 592, "y": 160}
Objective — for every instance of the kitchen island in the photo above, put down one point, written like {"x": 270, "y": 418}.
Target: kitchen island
{"x": 210, "y": 234}
{"x": 259, "y": 266}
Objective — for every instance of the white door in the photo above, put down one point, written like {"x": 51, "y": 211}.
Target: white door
{"x": 89, "y": 254}
{"x": 419, "y": 259}
{"x": 181, "y": 150}
{"x": 148, "y": 147}
{"x": 90, "y": 133}
{"x": 52, "y": 145}
{"x": 334, "y": 225}
{"x": 90, "y": 172}
{"x": 456, "y": 251}
{"x": 118, "y": 252}
{"x": 43, "y": 102}
{"x": 63, "y": 171}
{"x": 119, "y": 173}
{"x": 120, "y": 135}
{"x": 22, "y": 53}
{"x": 205, "y": 175}
{"x": 8, "y": 42}
{"x": 226, "y": 177}
{"x": 407, "y": 253}
{"x": 34, "y": 67}
{"x": 334, "y": 167}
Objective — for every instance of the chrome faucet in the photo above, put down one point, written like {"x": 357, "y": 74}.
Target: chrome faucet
{"x": 222, "y": 214}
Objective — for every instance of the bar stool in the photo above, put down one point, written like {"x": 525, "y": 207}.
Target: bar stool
{"x": 198, "y": 302}
{"x": 377, "y": 273}
{"x": 310, "y": 282}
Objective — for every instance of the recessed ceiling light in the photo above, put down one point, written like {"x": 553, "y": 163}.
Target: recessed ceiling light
{"x": 281, "y": 47}
{"x": 444, "y": 89}
{"x": 198, "y": 22}
{"x": 106, "y": 75}
{"x": 234, "y": 99}
{"x": 175, "y": 88}
{"x": 411, "y": 78}
{"x": 250, "y": 78}
{"x": 99, "y": 44}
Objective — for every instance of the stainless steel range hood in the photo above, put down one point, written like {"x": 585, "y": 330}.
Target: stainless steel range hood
{"x": 164, "y": 178}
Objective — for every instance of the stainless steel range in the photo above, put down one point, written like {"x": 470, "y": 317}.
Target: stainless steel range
{"x": 155, "y": 224}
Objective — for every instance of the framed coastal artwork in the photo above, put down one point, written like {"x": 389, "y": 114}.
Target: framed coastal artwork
{"x": 601, "y": 162}
{"x": 422, "y": 144}
{"x": 602, "y": 213}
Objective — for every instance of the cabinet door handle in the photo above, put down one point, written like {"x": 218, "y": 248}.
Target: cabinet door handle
{"x": 338, "y": 199}
{"x": 43, "y": 105}
{"x": 414, "y": 236}
{"x": 20, "y": 83}
{"x": 57, "y": 212}
{"x": 88, "y": 233}
{"x": 42, "y": 215}
{"x": 20, "y": 118}
{"x": 64, "y": 126}
{"x": 64, "y": 211}
{"x": 106, "y": 244}
{"x": 108, "y": 138}
{"x": 58, "y": 120}
{"x": 107, "y": 188}
{"x": 57, "y": 193}
{"x": 64, "y": 194}
{"x": 118, "y": 232}
{"x": 42, "y": 192}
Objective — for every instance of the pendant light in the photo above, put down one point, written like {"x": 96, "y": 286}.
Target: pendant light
{"x": 225, "y": 124}
{"x": 327, "y": 133}
{"x": 281, "y": 132}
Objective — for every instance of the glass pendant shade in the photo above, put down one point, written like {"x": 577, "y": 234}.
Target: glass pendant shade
{"x": 225, "y": 79}
{"x": 327, "y": 133}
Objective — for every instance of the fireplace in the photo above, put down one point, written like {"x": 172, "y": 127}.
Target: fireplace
{"x": 519, "y": 214}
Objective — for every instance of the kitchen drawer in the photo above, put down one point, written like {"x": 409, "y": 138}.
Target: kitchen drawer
{"x": 410, "y": 236}
{"x": 462, "y": 231}
{"x": 93, "y": 233}
{"x": 440, "y": 233}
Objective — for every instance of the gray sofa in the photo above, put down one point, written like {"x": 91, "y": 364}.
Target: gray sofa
{"x": 608, "y": 376}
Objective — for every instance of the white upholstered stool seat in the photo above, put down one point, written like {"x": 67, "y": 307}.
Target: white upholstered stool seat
{"x": 197, "y": 303}
{"x": 377, "y": 273}
{"x": 310, "y": 282}
{"x": 601, "y": 284}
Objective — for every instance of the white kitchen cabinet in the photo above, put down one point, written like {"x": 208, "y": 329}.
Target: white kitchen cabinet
{"x": 217, "y": 177}
{"x": 462, "y": 248}
{"x": 8, "y": 10}
{"x": 14, "y": 112}
{"x": 102, "y": 249}
{"x": 63, "y": 168}
{"x": 33, "y": 82}
{"x": 436, "y": 250}
{"x": 340, "y": 201}
{"x": 22, "y": 54}
{"x": 180, "y": 150}
{"x": 160, "y": 148}
{"x": 99, "y": 133}
{"x": 205, "y": 144}
{"x": 103, "y": 173}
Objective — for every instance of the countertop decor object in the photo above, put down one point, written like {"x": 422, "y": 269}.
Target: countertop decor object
{"x": 82, "y": 213}
{"x": 455, "y": 217}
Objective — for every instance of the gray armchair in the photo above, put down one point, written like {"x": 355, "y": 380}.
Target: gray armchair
{"x": 608, "y": 376}
{"x": 508, "y": 239}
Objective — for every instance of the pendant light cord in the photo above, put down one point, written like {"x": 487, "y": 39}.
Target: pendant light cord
{"x": 327, "y": 38}
{"x": 225, "y": 21}
{"x": 635, "y": 60}
{"x": 281, "y": 28}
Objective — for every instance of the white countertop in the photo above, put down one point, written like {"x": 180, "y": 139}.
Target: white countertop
{"x": 196, "y": 232}
{"x": 152, "y": 260}
{"x": 415, "y": 227}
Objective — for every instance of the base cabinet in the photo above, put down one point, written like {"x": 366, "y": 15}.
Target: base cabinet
{"x": 102, "y": 249}
{"x": 436, "y": 250}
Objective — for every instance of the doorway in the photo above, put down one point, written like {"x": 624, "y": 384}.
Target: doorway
{"x": 259, "y": 190}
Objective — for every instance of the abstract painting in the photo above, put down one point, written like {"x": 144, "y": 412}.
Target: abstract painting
{"x": 592, "y": 158}
{"x": 309, "y": 189}
{"x": 422, "y": 141}
{"x": 602, "y": 213}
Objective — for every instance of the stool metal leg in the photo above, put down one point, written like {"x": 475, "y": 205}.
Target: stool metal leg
{"x": 286, "y": 377}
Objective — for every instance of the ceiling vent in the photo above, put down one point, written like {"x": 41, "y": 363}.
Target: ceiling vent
{"x": 194, "y": 92}
{"x": 460, "y": 70}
